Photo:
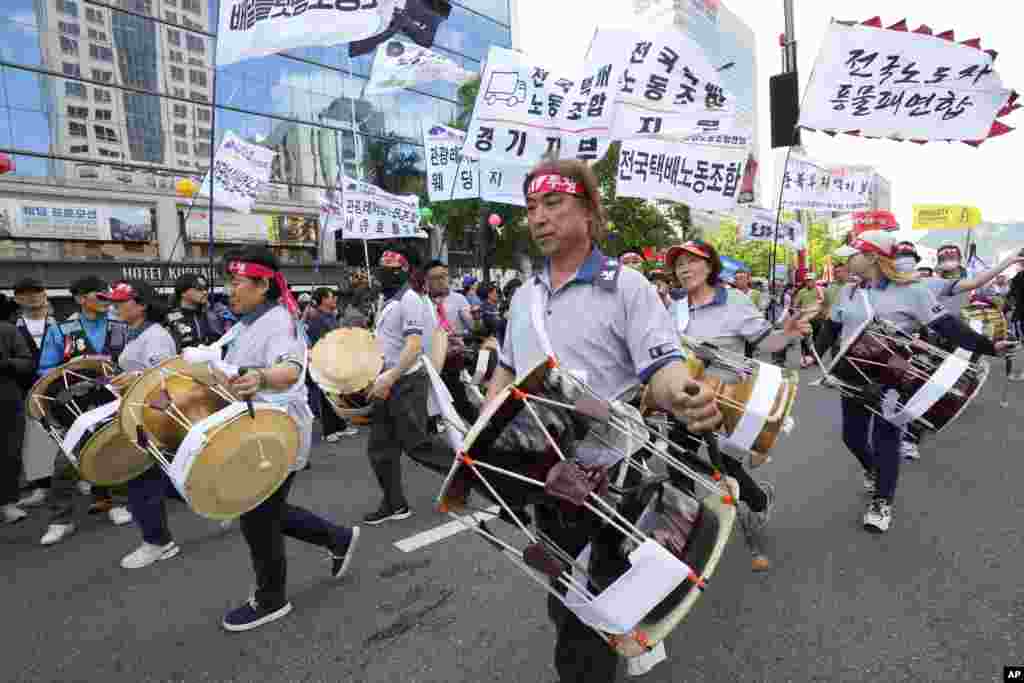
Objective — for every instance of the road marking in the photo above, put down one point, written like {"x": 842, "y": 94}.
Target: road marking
{"x": 425, "y": 538}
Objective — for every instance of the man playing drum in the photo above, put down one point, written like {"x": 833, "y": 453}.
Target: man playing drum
{"x": 268, "y": 341}
{"x": 606, "y": 324}
{"x": 896, "y": 297}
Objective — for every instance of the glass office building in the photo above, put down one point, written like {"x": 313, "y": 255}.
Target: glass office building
{"x": 105, "y": 105}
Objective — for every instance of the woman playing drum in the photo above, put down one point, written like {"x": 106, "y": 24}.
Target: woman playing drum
{"x": 898, "y": 298}
{"x": 708, "y": 312}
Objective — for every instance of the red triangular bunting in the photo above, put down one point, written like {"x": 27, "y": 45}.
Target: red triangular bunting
{"x": 973, "y": 143}
{"x": 924, "y": 30}
{"x": 947, "y": 35}
{"x": 900, "y": 25}
{"x": 973, "y": 42}
{"x": 920, "y": 142}
{"x": 853, "y": 132}
{"x": 875, "y": 22}
{"x": 999, "y": 128}
{"x": 1011, "y": 104}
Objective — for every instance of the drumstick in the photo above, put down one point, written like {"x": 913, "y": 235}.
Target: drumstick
{"x": 710, "y": 439}
{"x": 248, "y": 401}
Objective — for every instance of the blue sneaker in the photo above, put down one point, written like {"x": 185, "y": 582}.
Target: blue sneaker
{"x": 252, "y": 615}
{"x": 341, "y": 559}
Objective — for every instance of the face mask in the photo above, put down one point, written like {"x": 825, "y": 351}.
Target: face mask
{"x": 391, "y": 278}
{"x": 906, "y": 264}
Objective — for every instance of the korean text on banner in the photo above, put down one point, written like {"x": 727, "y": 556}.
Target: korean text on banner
{"x": 240, "y": 170}
{"x": 806, "y": 185}
{"x": 667, "y": 87}
{"x": 399, "y": 65}
{"x": 370, "y": 213}
{"x": 902, "y": 85}
{"x": 449, "y": 174}
{"x": 256, "y": 28}
{"x": 48, "y": 219}
{"x": 945, "y": 217}
{"x": 761, "y": 228}
{"x": 503, "y": 183}
{"x": 700, "y": 176}
{"x": 524, "y": 111}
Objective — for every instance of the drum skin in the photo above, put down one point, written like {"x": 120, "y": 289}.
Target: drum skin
{"x": 109, "y": 458}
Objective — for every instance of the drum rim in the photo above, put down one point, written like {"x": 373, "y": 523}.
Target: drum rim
{"x": 348, "y": 341}
{"x": 44, "y": 382}
{"x": 107, "y": 434}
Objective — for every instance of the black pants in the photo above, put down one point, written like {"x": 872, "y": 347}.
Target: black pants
{"x": 751, "y": 492}
{"x": 875, "y": 443}
{"x": 265, "y": 528}
{"x": 466, "y": 410}
{"x": 399, "y": 423}
{"x": 10, "y": 459}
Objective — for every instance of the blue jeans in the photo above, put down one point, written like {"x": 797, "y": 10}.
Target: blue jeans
{"x": 875, "y": 443}
{"x": 146, "y": 496}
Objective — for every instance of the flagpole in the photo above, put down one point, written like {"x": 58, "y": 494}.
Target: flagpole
{"x": 213, "y": 139}
{"x": 359, "y": 163}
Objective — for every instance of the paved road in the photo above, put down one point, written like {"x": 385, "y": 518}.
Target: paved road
{"x": 939, "y": 598}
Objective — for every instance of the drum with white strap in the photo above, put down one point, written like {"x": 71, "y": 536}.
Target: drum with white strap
{"x": 76, "y": 405}
{"x": 344, "y": 364}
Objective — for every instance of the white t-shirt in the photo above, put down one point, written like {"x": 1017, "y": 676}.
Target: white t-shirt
{"x": 37, "y": 328}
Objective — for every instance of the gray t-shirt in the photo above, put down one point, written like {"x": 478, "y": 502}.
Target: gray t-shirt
{"x": 455, "y": 306}
{"x": 154, "y": 345}
{"x": 403, "y": 315}
{"x": 908, "y": 306}
{"x": 728, "y": 321}
{"x": 270, "y": 338}
{"x": 944, "y": 292}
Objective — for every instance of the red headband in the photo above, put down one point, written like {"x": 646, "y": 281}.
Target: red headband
{"x": 392, "y": 259}
{"x": 256, "y": 270}
{"x": 696, "y": 249}
{"x": 865, "y": 246}
{"x": 552, "y": 182}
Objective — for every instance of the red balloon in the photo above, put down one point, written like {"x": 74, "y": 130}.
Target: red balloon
{"x": 6, "y": 164}
{"x": 494, "y": 220}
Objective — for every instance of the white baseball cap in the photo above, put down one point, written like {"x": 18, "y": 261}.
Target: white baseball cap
{"x": 869, "y": 242}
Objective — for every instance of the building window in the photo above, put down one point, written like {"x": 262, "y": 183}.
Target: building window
{"x": 204, "y": 132}
{"x": 79, "y": 149}
{"x": 171, "y": 3}
{"x": 78, "y": 130}
{"x": 174, "y": 37}
{"x": 203, "y": 115}
{"x": 191, "y": 6}
{"x": 195, "y": 43}
{"x": 197, "y": 78}
{"x": 194, "y": 25}
{"x": 99, "y": 36}
{"x": 109, "y": 153}
{"x": 69, "y": 28}
{"x": 94, "y": 15}
{"x": 67, "y": 7}
{"x": 103, "y": 54}
{"x": 181, "y": 111}
{"x": 72, "y": 69}
{"x": 197, "y": 96}
{"x": 104, "y": 133}
{"x": 102, "y": 76}
{"x": 73, "y": 89}
{"x": 103, "y": 115}
{"x": 171, "y": 17}
{"x": 195, "y": 61}
{"x": 101, "y": 95}
{"x": 180, "y": 147}
{"x": 78, "y": 112}
{"x": 181, "y": 130}
{"x": 177, "y": 73}
{"x": 202, "y": 149}
{"x": 176, "y": 56}
{"x": 178, "y": 92}
{"x": 68, "y": 46}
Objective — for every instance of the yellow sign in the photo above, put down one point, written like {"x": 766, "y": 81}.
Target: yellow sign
{"x": 945, "y": 217}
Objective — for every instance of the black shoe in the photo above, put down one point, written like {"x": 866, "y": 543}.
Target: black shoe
{"x": 341, "y": 557}
{"x": 253, "y": 615}
{"x": 385, "y": 514}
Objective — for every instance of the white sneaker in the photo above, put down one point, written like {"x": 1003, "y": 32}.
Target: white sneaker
{"x": 13, "y": 513}
{"x": 333, "y": 437}
{"x": 37, "y": 497}
{"x": 1016, "y": 376}
{"x": 909, "y": 450}
{"x": 120, "y": 515}
{"x": 57, "y": 533}
{"x": 146, "y": 554}
{"x": 350, "y": 431}
{"x": 84, "y": 487}
{"x": 878, "y": 516}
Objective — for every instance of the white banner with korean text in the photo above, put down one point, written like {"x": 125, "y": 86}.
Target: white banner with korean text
{"x": 524, "y": 110}
{"x": 240, "y": 170}
{"x": 450, "y": 175}
{"x": 256, "y": 28}
{"x": 807, "y": 185}
{"x": 668, "y": 86}
{"x": 503, "y": 183}
{"x": 701, "y": 176}
{"x": 900, "y": 84}
{"x": 399, "y": 64}
{"x": 760, "y": 227}
{"x": 366, "y": 212}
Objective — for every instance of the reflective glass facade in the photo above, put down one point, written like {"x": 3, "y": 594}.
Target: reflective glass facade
{"x": 109, "y": 103}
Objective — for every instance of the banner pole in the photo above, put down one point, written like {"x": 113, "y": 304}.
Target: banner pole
{"x": 213, "y": 145}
